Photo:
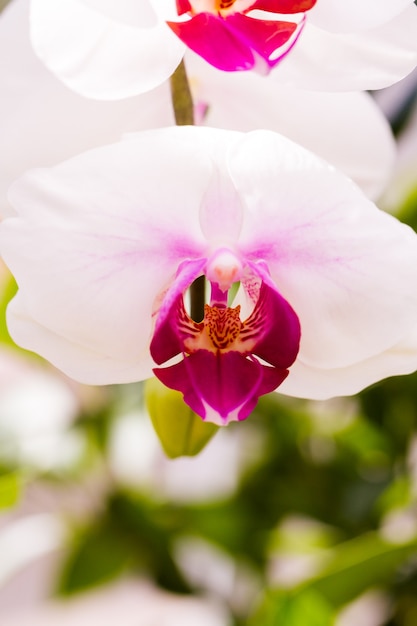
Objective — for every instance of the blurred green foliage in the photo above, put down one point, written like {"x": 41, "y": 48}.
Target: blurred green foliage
{"x": 10, "y": 489}
{"x": 343, "y": 466}
{"x": 7, "y": 292}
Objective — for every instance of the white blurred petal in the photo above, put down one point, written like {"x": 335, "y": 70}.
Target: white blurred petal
{"x": 129, "y": 602}
{"x": 355, "y": 15}
{"x": 346, "y": 129}
{"x": 371, "y": 59}
{"x": 42, "y": 122}
{"x": 99, "y": 56}
{"x": 26, "y": 540}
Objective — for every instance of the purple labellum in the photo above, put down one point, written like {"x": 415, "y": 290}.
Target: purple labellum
{"x": 227, "y": 362}
{"x": 228, "y": 37}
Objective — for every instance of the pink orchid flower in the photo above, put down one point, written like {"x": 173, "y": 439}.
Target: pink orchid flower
{"x": 115, "y": 49}
{"x": 105, "y": 246}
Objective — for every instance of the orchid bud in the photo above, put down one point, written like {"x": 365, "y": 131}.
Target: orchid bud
{"x": 180, "y": 431}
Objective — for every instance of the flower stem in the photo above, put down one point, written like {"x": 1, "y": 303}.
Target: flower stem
{"x": 182, "y": 102}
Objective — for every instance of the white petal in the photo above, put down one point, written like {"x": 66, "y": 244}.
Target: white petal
{"x": 132, "y": 601}
{"x": 345, "y": 267}
{"x": 130, "y": 12}
{"x": 42, "y": 122}
{"x": 165, "y": 9}
{"x": 321, "y": 384}
{"x": 341, "y": 16}
{"x": 341, "y": 62}
{"x": 78, "y": 361}
{"x": 98, "y": 239}
{"x": 101, "y": 57}
{"x": 346, "y": 129}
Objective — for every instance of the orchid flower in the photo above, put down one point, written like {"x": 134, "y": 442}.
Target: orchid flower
{"x": 43, "y": 123}
{"x": 230, "y": 35}
{"x": 112, "y": 50}
{"x": 105, "y": 247}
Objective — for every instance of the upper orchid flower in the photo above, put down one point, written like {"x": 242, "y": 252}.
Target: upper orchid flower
{"x": 43, "y": 123}
{"x": 106, "y": 245}
{"x": 113, "y": 49}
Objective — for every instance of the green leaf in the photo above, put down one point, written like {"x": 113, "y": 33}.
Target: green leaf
{"x": 10, "y": 489}
{"x": 398, "y": 494}
{"x": 180, "y": 431}
{"x": 366, "y": 561}
{"x": 7, "y": 292}
{"x": 305, "y": 608}
{"x": 354, "y": 566}
{"x": 97, "y": 555}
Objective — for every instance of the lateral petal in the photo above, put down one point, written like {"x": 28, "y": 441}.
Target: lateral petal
{"x": 95, "y": 244}
{"x": 339, "y": 261}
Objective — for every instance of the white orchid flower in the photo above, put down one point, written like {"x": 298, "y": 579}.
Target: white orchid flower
{"x": 106, "y": 245}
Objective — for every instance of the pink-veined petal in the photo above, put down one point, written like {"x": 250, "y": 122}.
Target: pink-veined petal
{"x": 109, "y": 238}
{"x": 98, "y": 56}
{"x": 42, "y": 122}
{"x": 339, "y": 261}
{"x": 354, "y": 61}
{"x": 346, "y": 129}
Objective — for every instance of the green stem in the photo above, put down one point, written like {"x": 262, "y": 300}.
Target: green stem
{"x": 182, "y": 102}
{"x": 3, "y": 4}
